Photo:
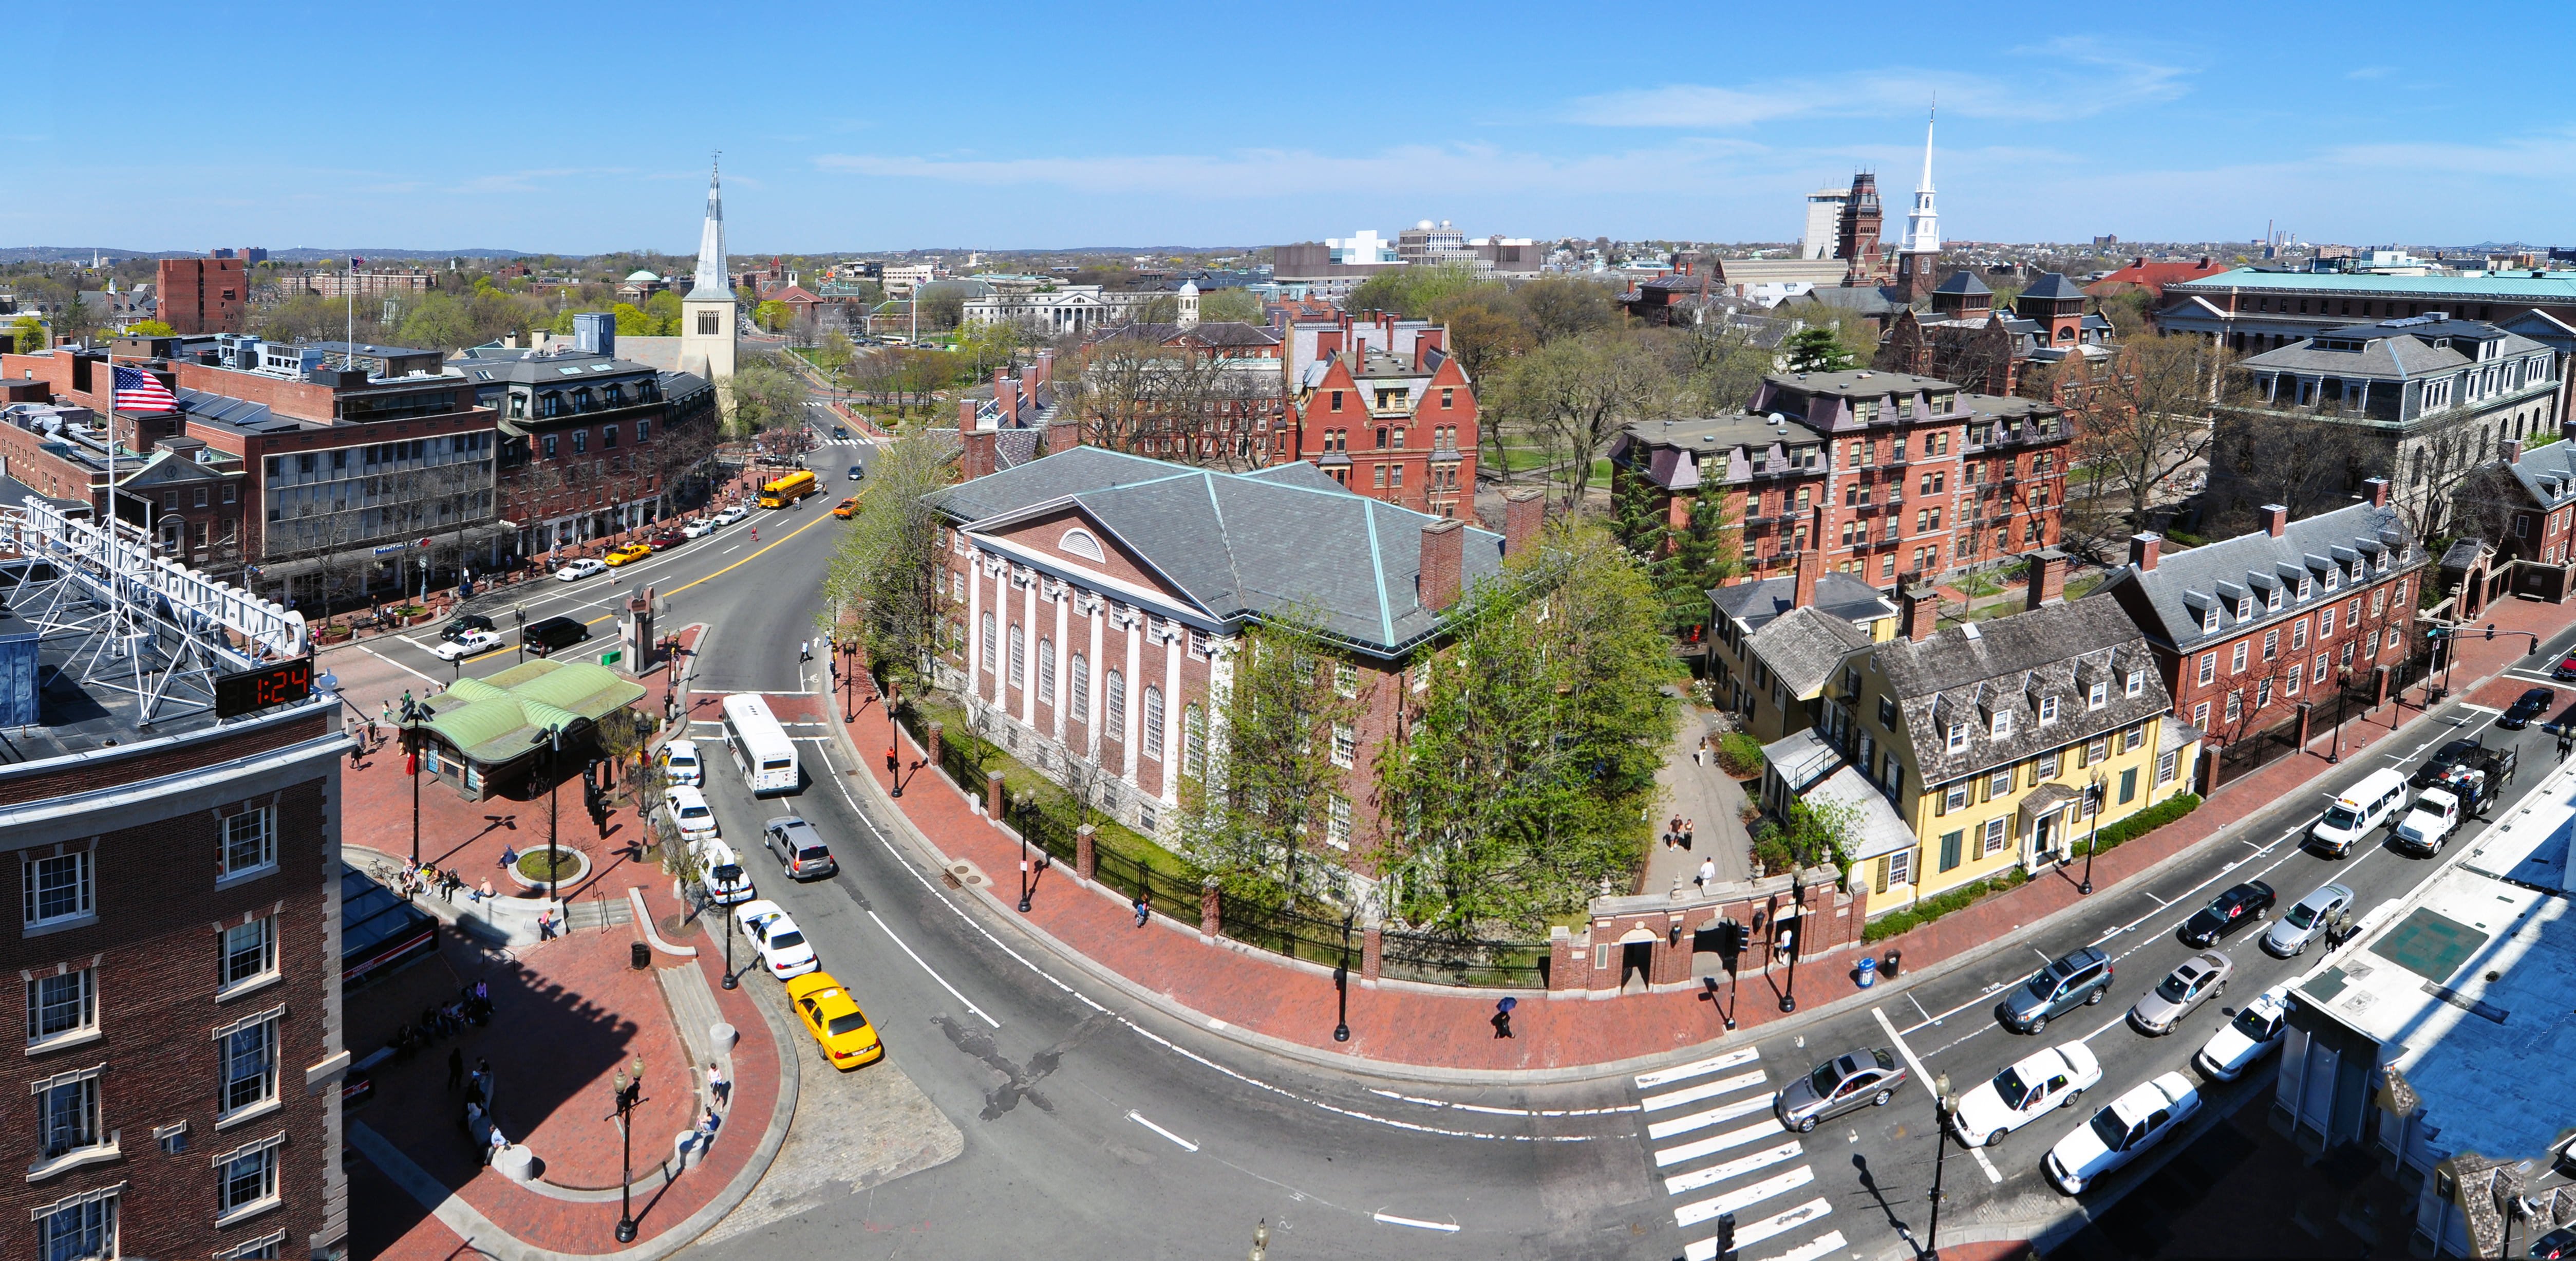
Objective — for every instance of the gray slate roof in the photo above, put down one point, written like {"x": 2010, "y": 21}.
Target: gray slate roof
{"x": 1806, "y": 646}
{"x": 2052, "y": 285}
{"x": 1962, "y": 282}
{"x": 1969, "y": 674}
{"x": 2548, "y": 475}
{"x": 1756, "y": 603}
{"x": 1239, "y": 545}
{"x": 2185, "y": 585}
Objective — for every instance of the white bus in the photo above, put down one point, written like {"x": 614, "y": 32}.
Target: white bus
{"x": 760, "y": 746}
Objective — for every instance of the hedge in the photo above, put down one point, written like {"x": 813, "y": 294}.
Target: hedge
{"x": 1929, "y": 909}
{"x": 1739, "y": 755}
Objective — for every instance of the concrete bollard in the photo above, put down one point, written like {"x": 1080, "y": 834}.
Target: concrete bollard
{"x": 722, "y": 1035}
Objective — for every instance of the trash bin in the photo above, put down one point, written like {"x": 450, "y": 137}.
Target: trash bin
{"x": 1893, "y": 958}
{"x": 639, "y": 956}
{"x": 1868, "y": 971}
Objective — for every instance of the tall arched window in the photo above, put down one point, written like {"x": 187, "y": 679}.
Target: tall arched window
{"x": 991, "y": 655}
{"x": 1194, "y": 740}
{"x": 1019, "y": 658}
{"x": 1081, "y": 688}
{"x": 1153, "y": 722}
{"x": 1117, "y": 702}
{"x": 1046, "y": 671}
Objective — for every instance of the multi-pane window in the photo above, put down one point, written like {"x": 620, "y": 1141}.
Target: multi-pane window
{"x": 2000, "y": 783}
{"x": 58, "y": 888}
{"x": 1194, "y": 740}
{"x": 57, "y": 1005}
{"x": 78, "y": 1229}
{"x": 247, "y": 1177}
{"x": 1019, "y": 657}
{"x": 250, "y": 840}
{"x": 1994, "y": 838}
{"x": 1900, "y": 867}
{"x": 2200, "y": 715}
{"x": 1346, "y": 679}
{"x": 250, "y": 951}
{"x": 2208, "y": 666}
{"x": 1081, "y": 688}
{"x": 1346, "y": 744}
{"x": 2299, "y": 635}
{"x": 1046, "y": 671}
{"x": 2236, "y": 660}
{"x": 1337, "y": 821}
{"x": 2325, "y": 624}
{"x": 2165, "y": 767}
{"x": 67, "y": 1113}
{"x": 2047, "y": 710}
{"x": 991, "y": 656}
{"x": 2235, "y": 706}
{"x": 1116, "y": 700}
{"x": 1153, "y": 737}
{"x": 2271, "y": 644}
{"x": 248, "y": 1051}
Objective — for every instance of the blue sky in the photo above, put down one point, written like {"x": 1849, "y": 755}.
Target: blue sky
{"x": 580, "y": 128}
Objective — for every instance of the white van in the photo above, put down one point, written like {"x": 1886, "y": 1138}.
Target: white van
{"x": 2375, "y": 800}
{"x": 689, "y": 811}
{"x": 680, "y": 764}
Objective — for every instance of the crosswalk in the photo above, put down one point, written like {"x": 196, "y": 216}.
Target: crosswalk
{"x": 1755, "y": 1170}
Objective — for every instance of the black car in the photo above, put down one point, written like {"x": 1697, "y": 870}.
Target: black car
{"x": 857, "y": 473}
{"x": 2227, "y": 912}
{"x": 2533, "y": 704}
{"x": 552, "y": 634}
{"x": 2442, "y": 761}
{"x": 463, "y": 622}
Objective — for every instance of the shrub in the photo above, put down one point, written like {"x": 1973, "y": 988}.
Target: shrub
{"x": 1934, "y": 907}
{"x": 2145, "y": 821}
{"x": 1739, "y": 755}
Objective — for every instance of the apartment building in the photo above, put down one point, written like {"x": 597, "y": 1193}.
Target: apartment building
{"x": 590, "y": 444}
{"x": 201, "y": 295}
{"x": 1382, "y": 409}
{"x": 1773, "y": 644}
{"x": 2526, "y": 502}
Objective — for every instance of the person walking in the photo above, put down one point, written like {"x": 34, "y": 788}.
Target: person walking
{"x": 1144, "y": 911}
{"x": 1690, "y": 830}
{"x": 1502, "y": 1020}
{"x": 456, "y": 1068}
{"x": 509, "y": 855}
{"x": 717, "y": 1087}
{"x": 546, "y": 924}
{"x": 804, "y": 651}
{"x": 1707, "y": 873}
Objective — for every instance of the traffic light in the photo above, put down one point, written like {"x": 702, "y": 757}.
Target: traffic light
{"x": 1726, "y": 1236}
{"x": 2490, "y": 630}
{"x": 1730, "y": 942}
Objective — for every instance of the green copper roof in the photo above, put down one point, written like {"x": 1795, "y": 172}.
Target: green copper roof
{"x": 2556, "y": 286}
{"x": 499, "y": 718}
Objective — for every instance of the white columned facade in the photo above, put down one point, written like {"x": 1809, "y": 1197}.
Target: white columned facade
{"x": 1134, "y": 702}
{"x": 1063, "y": 659}
{"x": 1029, "y": 651}
{"x": 974, "y": 623}
{"x": 1092, "y": 713}
{"x": 1172, "y": 712}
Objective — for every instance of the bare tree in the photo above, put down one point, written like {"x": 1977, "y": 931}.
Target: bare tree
{"x": 1134, "y": 393}
{"x": 1579, "y": 392}
{"x": 2149, "y": 418}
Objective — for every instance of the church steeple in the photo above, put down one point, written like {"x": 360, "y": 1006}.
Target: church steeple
{"x": 710, "y": 281}
{"x": 1923, "y": 226}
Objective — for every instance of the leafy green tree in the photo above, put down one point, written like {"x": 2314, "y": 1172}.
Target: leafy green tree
{"x": 149, "y": 328}
{"x": 1637, "y": 517}
{"x": 1817, "y": 350}
{"x": 772, "y": 315}
{"x": 29, "y": 334}
{"x": 1230, "y": 304}
{"x": 984, "y": 346}
{"x": 664, "y": 310}
{"x": 439, "y": 322}
{"x": 1704, "y": 554}
{"x": 1256, "y": 803}
{"x": 888, "y": 573}
{"x": 762, "y": 394}
{"x": 1562, "y": 307}
{"x": 1524, "y": 782}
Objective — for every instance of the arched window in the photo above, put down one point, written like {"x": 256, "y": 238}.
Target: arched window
{"x": 989, "y": 656}
{"x": 1046, "y": 671}
{"x": 1116, "y": 706}
{"x": 1194, "y": 740}
{"x": 1019, "y": 658}
{"x": 1081, "y": 688}
{"x": 1080, "y": 543}
{"x": 1153, "y": 722}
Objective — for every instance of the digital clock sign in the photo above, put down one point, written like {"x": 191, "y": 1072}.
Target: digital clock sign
{"x": 248, "y": 691}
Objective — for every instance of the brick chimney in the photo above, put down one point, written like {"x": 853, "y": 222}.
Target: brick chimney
{"x": 1063, "y": 433}
{"x": 2047, "y": 577}
{"x": 1811, "y": 566}
{"x": 2276, "y": 518}
{"x": 1524, "y": 511}
{"x": 1920, "y": 604}
{"x": 1043, "y": 371}
{"x": 2378, "y": 487}
{"x": 979, "y": 459}
{"x": 965, "y": 415}
{"x": 1002, "y": 395}
{"x": 1444, "y": 546}
{"x": 2143, "y": 549}
{"x": 2513, "y": 451}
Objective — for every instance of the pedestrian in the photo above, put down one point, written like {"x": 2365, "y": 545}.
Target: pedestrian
{"x": 483, "y": 1074}
{"x": 1707, "y": 873}
{"x": 448, "y": 881}
{"x": 717, "y": 1087}
{"x": 546, "y": 924}
{"x": 473, "y": 1081}
{"x": 456, "y": 1068}
{"x": 492, "y": 1150}
{"x": 1144, "y": 911}
{"x": 1502, "y": 1020}
{"x": 509, "y": 855}
{"x": 804, "y": 651}
{"x": 485, "y": 894}
{"x": 1690, "y": 830}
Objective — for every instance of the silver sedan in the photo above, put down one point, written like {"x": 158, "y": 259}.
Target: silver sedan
{"x": 2201, "y": 978}
{"x": 2289, "y": 937}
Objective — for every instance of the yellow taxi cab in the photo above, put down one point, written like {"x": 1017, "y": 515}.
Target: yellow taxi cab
{"x": 630, "y": 552}
{"x": 836, "y": 1022}
{"x": 846, "y": 508}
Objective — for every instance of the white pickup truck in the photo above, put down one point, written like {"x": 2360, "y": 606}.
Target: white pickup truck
{"x": 2436, "y": 815}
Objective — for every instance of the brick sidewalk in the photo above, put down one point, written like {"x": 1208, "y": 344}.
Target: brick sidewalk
{"x": 570, "y": 1013}
{"x": 1264, "y": 994}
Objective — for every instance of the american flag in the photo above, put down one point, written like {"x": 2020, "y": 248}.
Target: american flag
{"x": 140, "y": 391}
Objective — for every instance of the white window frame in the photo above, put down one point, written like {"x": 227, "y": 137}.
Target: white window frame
{"x": 1995, "y": 838}
{"x": 272, "y": 1244}
{"x": 84, "y": 864}
{"x": 265, "y": 1151}
{"x": 2236, "y": 659}
{"x": 1337, "y": 821}
{"x": 2003, "y": 724}
{"x": 1958, "y": 736}
{"x": 83, "y": 1085}
{"x": 2047, "y": 710}
{"x": 1346, "y": 745}
{"x": 231, "y": 863}
{"x": 101, "y": 1204}
{"x": 2200, "y": 715}
{"x": 1046, "y": 670}
{"x": 1900, "y": 867}
{"x": 1346, "y": 679}
{"x": 86, "y": 981}
{"x": 228, "y": 1112}
{"x": 2136, "y": 685}
{"x": 229, "y": 985}
{"x": 2208, "y": 667}
{"x": 2165, "y": 765}
{"x": 2100, "y": 695}
{"x": 1152, "y": 736}
{"x": 1080, "y": 701}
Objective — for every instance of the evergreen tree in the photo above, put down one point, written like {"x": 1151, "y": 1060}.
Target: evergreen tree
{"x": 1817, "y": 350}
{"x": 1705, "y": 554}
{"x": 1638, "y": 517}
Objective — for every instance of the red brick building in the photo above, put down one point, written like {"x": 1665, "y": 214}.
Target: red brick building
{"x": 2154, "y": 276}
{"x": 2251, "y": 630}
{"x": 180, "y": 967}
{"x": 201, "y": 295}
{"x": 1097, "y": 599}
{"x": 1383, "y": 409}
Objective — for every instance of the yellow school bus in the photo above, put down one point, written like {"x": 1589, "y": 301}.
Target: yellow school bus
{"x": 780, "y": 492}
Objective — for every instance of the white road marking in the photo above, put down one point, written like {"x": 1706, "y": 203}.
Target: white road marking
{"x": 1742, "y": 1198}
{"x": 1737, "y": 1167}
{"x": 1704, "y": 1090}
{"x": 1507, "y": 1112}
{"x": 1830, "y": 1242}
{"x": 934, "y": 974}
{"x": 1747, "y": 1236}
{"x": 1918, "y": 1008}
{"x": 2160, "y": 902}
{"x": 395, "y": 664}
{"x": 1679, "y": 1072}
{"x": 1185, "y": 1144}
{"x": 1416, "y": 1223}
{"x": 1703, "y": 1120}
{"x": 1697, "y": 1148}
{"x": 2043, "y": 955}
{"x": 1993, "y": 1175}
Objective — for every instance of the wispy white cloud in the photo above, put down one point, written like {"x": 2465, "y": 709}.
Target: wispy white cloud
{"x": 2370, "y": 72}
{"x": 2062, "y": 79}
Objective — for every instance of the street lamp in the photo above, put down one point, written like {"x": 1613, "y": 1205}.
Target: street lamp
{"x": 552, "y": 738}
{"x": 2343, "y": 699}
{"x": 1261, "y": 1241}
{"x": 1342, "y": 984}
{"x": 894, "y": 741}
{"x": 411, "y": 713}
{"x": 1948, "y": 1105}
{"x": 1027, "y": 804}
{"x": 630, "y": 1092}
{"x": 2101, "y": 791}
{"x": 1789, "y": 941}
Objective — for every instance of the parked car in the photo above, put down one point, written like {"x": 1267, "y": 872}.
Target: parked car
{"x": 667, "y": 538}
{"x": 465, "y": 645}
{"x": 799, "y": 848}
{"x": 690, "y": 813}
{"x": 2078, "y": 980}
{"x": 2533, "y": 704}
{"x": 2289, "y": 936}
{"x": 834, "y": 1020}
{"x": 782, "y": 945}
{"x": 2255, "y": 1033}
{"x": 2226, "y": 913}
{"x": 575, "y": 571}
{"x": 726, "y": 882}
{"x": 1864, "y": 1078}
{"x": 552, "y": 634}
{"x": 2123, "y": 1128}
{"x": 732, "y": 514}
{"x": 630, "y": 553}
{"x": 2021, "y": 1094}
{"x": 2557, "y": 1243}
{"x": 680, "y": 764}
{"x": 2442, "y": 761}
{"x": 464, "y": 622}
{"x": 699, "y": 528}
{"x": 2196, "y": 980}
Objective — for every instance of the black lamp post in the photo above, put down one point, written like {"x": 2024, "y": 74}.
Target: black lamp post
{"x": 630, "y": 1093}
{"x": 1342, "y": 984}
{"x": 2101, "y": 789}
{"x": 1026, "y": 805}
{"x": 723, "y": 910}
{"x": 411, "y": 752}
{"x": 1789, "y": 941}
{"x": 2343, "y": 698}
{"x": 894, "y": 741}
{"x": 554, "y": 857}
{"x": 1948, "y": 1107}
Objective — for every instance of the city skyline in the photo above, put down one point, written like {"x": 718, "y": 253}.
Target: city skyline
{"x": 1678, "y": 126}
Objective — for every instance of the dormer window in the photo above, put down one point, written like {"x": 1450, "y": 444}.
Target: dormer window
{"x": 2334, "y": 578}
{"x": 2137, "y": 684}
{"x": 2047, "y": 710}
{"x": 2245, "y": 609}
{"x": 2003, "y": 725}
{"x": 2099, "y": 696}
{"x": 2303, "y": 586}
{"x": 1958, "y": 736}
{"x": 2272, "y": 600}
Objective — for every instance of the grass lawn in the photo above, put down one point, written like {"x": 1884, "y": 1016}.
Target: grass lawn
{"x": 1018, "y": 777}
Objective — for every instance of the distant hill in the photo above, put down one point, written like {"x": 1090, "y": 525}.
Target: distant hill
{"x": 299, "y": 254}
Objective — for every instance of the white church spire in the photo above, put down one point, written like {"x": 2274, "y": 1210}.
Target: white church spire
{"x": 1923, "y": 225}
{"x": 710, "y": 281}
